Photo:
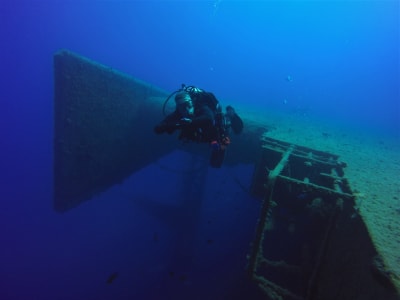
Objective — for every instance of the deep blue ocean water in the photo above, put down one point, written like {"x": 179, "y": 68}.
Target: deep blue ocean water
{"x": 337, "y": 60}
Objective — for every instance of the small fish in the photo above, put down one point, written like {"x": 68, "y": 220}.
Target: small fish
{"x": 112, "y": 277}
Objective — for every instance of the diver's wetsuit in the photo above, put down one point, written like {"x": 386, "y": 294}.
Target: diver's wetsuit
{"x": 201, "y": 129}
{"x": 207, "y": 124}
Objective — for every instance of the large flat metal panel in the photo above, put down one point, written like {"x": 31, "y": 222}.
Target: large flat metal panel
{"x": 103, "y": 122}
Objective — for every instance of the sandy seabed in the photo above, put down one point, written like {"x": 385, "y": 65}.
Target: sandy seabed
{"x": 373, "y": 171}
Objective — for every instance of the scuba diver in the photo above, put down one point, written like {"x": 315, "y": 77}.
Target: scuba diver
{"x": 199, "y": 118}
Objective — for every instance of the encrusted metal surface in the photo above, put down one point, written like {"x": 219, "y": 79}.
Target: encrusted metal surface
{"x": 304, "y": 191}
{"x": 101, "y": 120}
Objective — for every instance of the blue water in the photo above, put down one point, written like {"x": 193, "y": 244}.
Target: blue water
{"x": 337, "y": 60}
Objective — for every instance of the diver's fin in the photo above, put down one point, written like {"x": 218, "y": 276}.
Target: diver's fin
{"x": 236, "y": 124}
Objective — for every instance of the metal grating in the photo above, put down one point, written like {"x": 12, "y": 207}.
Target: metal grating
{"x": 303, "y": 192}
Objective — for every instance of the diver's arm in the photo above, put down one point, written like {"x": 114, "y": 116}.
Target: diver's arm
{"x": 168, "y": 125}
{"x": 205, "y": 117}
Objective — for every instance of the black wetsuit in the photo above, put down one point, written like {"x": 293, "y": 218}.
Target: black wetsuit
{"x": 200, "y": 129}
{"x": 207, "y": 124}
